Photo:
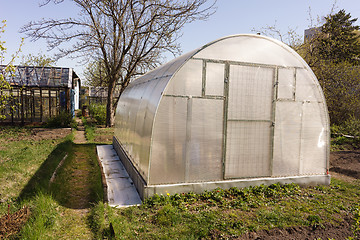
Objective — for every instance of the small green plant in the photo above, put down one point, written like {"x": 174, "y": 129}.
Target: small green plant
{"x": 89, "y": 129}
{"x": 314, "y": 221}
{"x": 356, "y": 224}
{"x": 98, "y": 112}
{"x": 63, "y": 119}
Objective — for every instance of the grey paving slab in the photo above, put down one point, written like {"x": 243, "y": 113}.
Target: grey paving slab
{"x": 120, "y": 188}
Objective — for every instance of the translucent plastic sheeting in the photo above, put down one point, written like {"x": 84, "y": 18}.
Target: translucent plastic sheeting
{"x": 250, "y": 93}
{"x": 165, "y": 70}
{"x": 169, "y": 142}
{"x": 248, "y": 149}
{"x": 252, "y": 49}
{"x": 248, "y": 145}
{"x": 286, "y": 84}
{"x": 186, "y": 147}
{"x": 313, "y": 141}
{"x": 214, "y": 82}
{"x": 187, "y": 81}
{"x": 204, "y": 140}
{"x": 306, "y": 87}
{"x": 135, "y": 118}
{"x": 287, "y": 139}
{"x": 171, "y": 122}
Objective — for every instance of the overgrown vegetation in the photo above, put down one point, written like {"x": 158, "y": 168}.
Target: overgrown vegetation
{"x": 63, "y": 119}
{"x": 98, "y": 112}
{"x": 347, "y": 135}
{"x": 96, "y": 134}
{"x": 333, "y": 54}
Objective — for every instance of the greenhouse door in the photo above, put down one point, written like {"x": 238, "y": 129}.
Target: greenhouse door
{"x": 249, "y": 124}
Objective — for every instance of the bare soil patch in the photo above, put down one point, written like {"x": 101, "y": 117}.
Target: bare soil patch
{"x": 342, "y": 231}
{"x": 103, "y": 138}
{"x": 38, "y": 134}
{"x": 346, "y": 163}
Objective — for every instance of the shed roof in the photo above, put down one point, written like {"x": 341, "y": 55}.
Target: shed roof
{"x": 41, "y": 76}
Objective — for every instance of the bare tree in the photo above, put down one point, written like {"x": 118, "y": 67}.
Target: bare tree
{"x": 127, "y": 36}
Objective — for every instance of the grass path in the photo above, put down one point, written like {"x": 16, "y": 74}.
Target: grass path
{"x": 78, "y": 185}
{"x": 60, "y": 209}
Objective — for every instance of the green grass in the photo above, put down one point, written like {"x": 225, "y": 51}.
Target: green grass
{"x": 230, "y": 213}
{"x": 89, "y": 129}
{"x": 26, "y": 167}
{"x": 95, "y": 134}
{"x": 72, "y": 207}
{"x": 78, "y": 183}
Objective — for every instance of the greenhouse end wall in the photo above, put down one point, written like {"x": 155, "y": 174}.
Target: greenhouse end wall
{"x": 242, "y": 110}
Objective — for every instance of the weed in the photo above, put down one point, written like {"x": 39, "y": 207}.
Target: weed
{"x": 63, "y": 119}
{"x": 98, "y": 112}
{"x": 356, "y": 223}
{"x": 314, "y": 221}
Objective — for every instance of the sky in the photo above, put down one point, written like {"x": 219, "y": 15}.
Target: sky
{"x": 231, "y": 17}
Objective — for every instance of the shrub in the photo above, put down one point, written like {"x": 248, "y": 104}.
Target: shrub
{"x": 98, "y": 112}
{"x": 351, "y": 126}
{"x": 63, "y": 119}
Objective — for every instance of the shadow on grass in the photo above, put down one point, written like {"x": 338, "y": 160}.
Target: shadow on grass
{"x": 40, "y": 180}
{"x": 77, "y": 182}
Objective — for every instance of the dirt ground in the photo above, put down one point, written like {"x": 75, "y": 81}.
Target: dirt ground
{"x": 344, "y": 165}
{"x": 38, "y": 134}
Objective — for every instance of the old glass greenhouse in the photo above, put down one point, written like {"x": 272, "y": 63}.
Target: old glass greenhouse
{"x": 242, "y": 110}
{"x": 39, "y": 93}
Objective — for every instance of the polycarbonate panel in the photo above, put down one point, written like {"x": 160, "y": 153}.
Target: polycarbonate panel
{"x": 286, "y": 84}
{"x": 251, "y": 49}
{"x": 314, "y": 140}
{"x": 134, "y": 120}
{"x": 187, "y": 81}
{"x": 307, "y": 88}
{"x": 248, "y": 149}
{"x": 204, "y": 150}
{"x": 165, "y": 70}
{"x": 287, "y": 138}
{"x": 214, "y": 83}
{"x": 167, "y": 160}
{"x": 250, "y": 93}
{"x": 144, "y": 120}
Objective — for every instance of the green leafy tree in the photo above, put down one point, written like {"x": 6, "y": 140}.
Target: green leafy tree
{"x": 40, "y": 60}
{"x": 333, "y": 53}
{"x": 5, "y": 70}
{"x": 341, "y": 85}
{"x": 338, "y": 41}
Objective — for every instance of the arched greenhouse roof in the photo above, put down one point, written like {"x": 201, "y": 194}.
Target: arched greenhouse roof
{"x": 241, "y": 107}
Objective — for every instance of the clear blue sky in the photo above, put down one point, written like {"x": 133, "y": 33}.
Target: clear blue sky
{"x": 232, "y": 17}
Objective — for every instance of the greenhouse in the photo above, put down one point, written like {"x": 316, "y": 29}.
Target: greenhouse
{"x": 39, "y": 93}
{"x": 242, "y": 110}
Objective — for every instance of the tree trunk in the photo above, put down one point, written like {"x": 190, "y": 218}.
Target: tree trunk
{"x": 110, "y": 110}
